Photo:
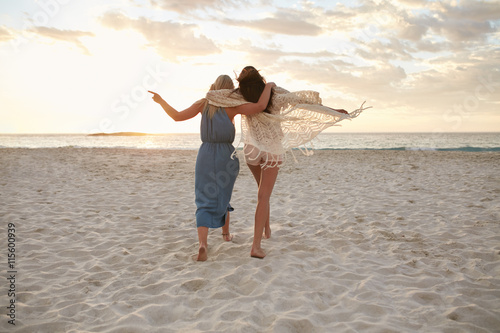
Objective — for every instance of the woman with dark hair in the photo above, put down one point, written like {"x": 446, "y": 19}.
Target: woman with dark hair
{"x": 290, "y": 120}
{"x": 263, "y": 165}
{"x": 216, "y": 170}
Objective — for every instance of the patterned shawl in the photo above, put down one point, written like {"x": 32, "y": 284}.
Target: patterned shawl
{"x": 295, "y": 119}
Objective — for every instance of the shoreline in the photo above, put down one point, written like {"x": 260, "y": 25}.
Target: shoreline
{"x": 327, "y": 141}
{"x": 494, "y": 150}
{"x": 379, "y": 241}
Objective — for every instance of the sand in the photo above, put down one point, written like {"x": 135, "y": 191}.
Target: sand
{"x": 362, "y": 241}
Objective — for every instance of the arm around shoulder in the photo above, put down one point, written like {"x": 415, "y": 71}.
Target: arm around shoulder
{"x": 253, "y": 108}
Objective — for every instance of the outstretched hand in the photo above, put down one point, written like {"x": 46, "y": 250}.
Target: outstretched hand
{"x": 341, "y": 111}
{"x": 157, "y": 98}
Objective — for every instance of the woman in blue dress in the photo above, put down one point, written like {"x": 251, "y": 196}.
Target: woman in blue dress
{"x": 215, "y": 171}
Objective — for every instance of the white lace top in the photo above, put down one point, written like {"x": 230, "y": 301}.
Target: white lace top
{"x": 295, "y": 119}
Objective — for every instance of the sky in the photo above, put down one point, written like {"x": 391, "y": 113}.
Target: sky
{"x": 75, "y": 66}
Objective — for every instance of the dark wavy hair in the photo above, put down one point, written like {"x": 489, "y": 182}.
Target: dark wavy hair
{"x": 251, "y": 86}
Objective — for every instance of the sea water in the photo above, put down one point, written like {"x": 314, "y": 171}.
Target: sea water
{"x": 324, "y": 141}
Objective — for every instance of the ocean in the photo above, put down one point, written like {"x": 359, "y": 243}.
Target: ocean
{"x": 472, "y": 142}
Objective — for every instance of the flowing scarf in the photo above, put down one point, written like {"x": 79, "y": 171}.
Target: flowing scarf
{"x": 295, "y": 119}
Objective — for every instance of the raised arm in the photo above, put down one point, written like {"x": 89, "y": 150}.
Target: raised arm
{"x": 186, "y": 114}
{"x": 339, "y": 110}
{"x": 253, "y": 108}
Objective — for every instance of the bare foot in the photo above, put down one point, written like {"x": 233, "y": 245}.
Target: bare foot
{"x": 227, "y": 237}
{"x": 257, "y": 253}
{"x": 267, "y": 233}
{"x": 202, "y": 253}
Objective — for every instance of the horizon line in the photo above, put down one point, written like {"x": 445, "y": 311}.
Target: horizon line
{"x": 132, "y": 133}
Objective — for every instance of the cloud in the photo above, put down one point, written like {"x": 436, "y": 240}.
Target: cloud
{"x": 462, "y": 84}
{"x": 470, "y": 10}
{"x": 414, "y": 29}
{"x": 431, "y": 25}
{"x": 170, "y": 39}
{"x": 70, "y": 36}
{"x": 186, "y": 6}
{"x": 421, "y": 56}
{"x": 377, "y": 81}
{"x": 267, "y": 54}
{"x": 433, "y": 46}
{"x": 383, "y": 51}
{"x": 464, "y": 30}
{"x": 470, "y": 21}
{"x": 382, "y": 59}
{"x": 284, "y": 21}
{"x": 5, "y": 34}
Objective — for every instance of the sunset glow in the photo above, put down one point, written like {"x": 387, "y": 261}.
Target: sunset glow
{"x": 85, "y": 66}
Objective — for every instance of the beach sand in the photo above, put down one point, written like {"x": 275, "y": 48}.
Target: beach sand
{"x": 362, "y": 241}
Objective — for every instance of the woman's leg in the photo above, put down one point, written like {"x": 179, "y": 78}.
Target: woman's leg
{"x": 257, "y": 173}
{"x": 203, "y": 239}
{"x": 266, "y": 185}
{"x": 225, "y": 230}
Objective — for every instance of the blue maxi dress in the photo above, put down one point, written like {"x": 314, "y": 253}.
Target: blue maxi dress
{"x": 215, "y": 171}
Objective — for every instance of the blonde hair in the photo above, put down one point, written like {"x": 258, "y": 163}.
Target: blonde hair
{"x": 222, "y": 82}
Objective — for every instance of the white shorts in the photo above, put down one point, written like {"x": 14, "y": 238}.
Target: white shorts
{"x": 254, "y": 156}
